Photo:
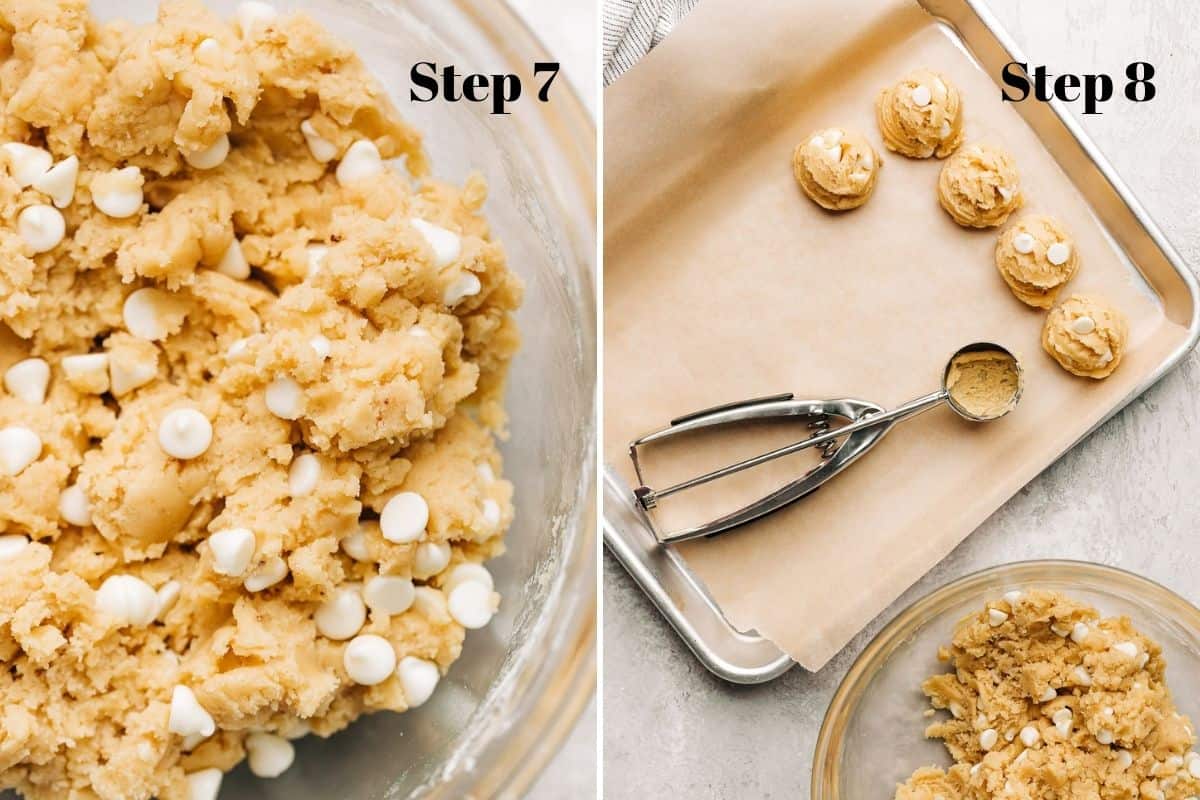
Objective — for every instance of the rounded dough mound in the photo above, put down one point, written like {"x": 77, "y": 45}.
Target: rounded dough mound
{"x": 1026, "y": 256}
{"x": 1086, "y": 336}
{"x": 836, "y": 168}
{"x": 979, "y": 186}
{"x": 921, "y": 116}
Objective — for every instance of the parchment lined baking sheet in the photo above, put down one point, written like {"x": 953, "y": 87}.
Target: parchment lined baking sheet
{"x": 723, "y": 282}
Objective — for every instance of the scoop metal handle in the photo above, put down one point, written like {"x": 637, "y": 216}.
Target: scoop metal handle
{"x": 649, "y": 498}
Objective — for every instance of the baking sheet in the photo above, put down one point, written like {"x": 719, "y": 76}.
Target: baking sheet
{"x": 724, "y": 282}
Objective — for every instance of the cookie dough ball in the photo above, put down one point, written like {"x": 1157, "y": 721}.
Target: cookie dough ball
{"x": 836, "y": 168}
{"x": 979, "y": 186}
{"x": 1036, "y": 257}
{"x": 1086, "y": 335}
{"x": 921, "y": 116}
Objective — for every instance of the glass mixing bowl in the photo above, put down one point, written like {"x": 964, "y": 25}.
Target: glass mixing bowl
{"x": 507, "y": 704}
{"x": 873, "y": 734}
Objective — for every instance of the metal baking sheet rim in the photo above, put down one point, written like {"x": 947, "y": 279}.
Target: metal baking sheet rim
{"x": 747, "y": 658}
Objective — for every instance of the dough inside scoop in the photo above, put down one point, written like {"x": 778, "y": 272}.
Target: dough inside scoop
{"x": 985, "y": 384}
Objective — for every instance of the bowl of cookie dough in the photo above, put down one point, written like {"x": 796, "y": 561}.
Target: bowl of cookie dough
{"x": 504, "y": 703}
{"x": 1012, "y": 675}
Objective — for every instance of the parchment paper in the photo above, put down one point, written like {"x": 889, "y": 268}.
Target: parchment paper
{"x": 723, "y": 282}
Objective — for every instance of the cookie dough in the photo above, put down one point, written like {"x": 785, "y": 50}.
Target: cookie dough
{"x": 1086, "y": 335}
{"x": 985, "y": 383}
{"x": 921, "y": 116}
{"x": 248, "y": 476}
{"x": 836, "y": 168}
{"x": 1049, "y": 699}
{"x": 979, "y": 186}
{"x": 1036, "y": 257}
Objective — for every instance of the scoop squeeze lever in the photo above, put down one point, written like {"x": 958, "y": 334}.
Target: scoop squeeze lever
{"x": 981, "y": 382}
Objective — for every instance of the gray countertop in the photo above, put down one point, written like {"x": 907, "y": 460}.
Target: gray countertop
{"x": 1126, "y": 496}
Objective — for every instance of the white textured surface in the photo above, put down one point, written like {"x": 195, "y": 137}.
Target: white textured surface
{"x": 1127, "y": 496}
{"x": 568, "y": 28}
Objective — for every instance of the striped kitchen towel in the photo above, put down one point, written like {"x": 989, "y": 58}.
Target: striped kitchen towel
{"x": 633, "y": 27}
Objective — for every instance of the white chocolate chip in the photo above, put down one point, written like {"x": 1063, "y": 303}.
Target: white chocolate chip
{"x": 471, "y": 604}
{"x": 485, "y": 472}
{"x": 1105, "y": 737}
{"x": 1060, "y": 629}
{"x": 944, "y": 130}
{"x": 19, "y": 447}
{"x": 467, "y": 572}
{"x": 187, "y": 716}
{"x": 418, "y": 678}
{"x": 26, "y": 163}
{"x": 988, "y": 739}
{"x": 208, "y": 52}
{"x": 285, "y": 398}
{"x": 1079, "y": 633}
{"x": 271, "y": 572}
{"x": 430, "y": 603}
{"x": 12, "y": 545}
{"x": 1023, "y": 243}
{"x": 1193, "y": 767}
{"x": 1143, "y": 659}
{"x": 1058, "y": 253}
{"x": 232, "y": 551}
{"x": 464, "y": 286}
{"x": 87, "y": 372}
{"x": 27, "y": 380}
{"x": 1048, "y": 695}
{"x": 166, "y": 597}
{"x": 1012, "y": 598}
{"x": 921, "y": 95}
{"x": 446, "y": 245}
{"x": 1005, "y": 193}
{"x": 404, "y": 518}
{"x": 125, "y": 375}
{"x": 817, "y": 141}
{"x": 389, "y": 594}
{"x": 73, "y": 506}
{"x": 1062, "y": 719}
{"x": 369, "y": 659}
{"x": 59, "y": 181}
{"x": 303, "y": 474}
{"x": 316, "y": 256}
{"x": 996, "y": 617}
{"x": 832, "y": 136}
{"x": 252, "y": 14}
{"x": 1129, "y": 649}
{"x": 204, "y": 784}
{"x": 361, "y": 160}
{"x": 209, "y": 157}
{"x": 1083, "y": 325}
{"x": 355, "y": 546}
{"x": 1082, "y": 677}
{"x": 834, "y": 153}
{"x": 184, "y": 433}
{"x": 430, "y": 559}
{"x": 42, "y": 227}
{"x": 128, "y": 598}
{"x": 269, "y": 755}
{"x": 233, "y": 263}
{"x": 321, "y": 148}
{"x": 148, "y": 313}
{"x": 118, "y": 193}
{"x": 342, "y": 615}
{"x": 491, "y": 514}
{"x": 321, "y": 346}
{"x": 238, "y": 347}
{"x": 1030, "y": 736}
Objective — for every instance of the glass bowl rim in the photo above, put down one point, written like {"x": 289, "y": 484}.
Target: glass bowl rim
{"x": 901, "y": 627}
